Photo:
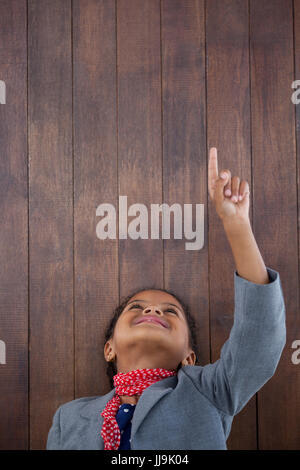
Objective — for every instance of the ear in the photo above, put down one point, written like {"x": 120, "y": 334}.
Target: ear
{"x": 109, "y": 353}
{"x": 189, "y": 360}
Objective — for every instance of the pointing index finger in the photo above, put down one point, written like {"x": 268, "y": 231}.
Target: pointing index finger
{"x": 213, "y": 165}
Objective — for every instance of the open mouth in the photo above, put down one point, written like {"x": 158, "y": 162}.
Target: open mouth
{"x": 151, "y": 321}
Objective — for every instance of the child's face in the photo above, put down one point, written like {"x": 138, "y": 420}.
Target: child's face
{"x": 138, "y": 344}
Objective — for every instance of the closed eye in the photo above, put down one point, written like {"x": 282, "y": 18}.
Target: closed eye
{"x": 135, "y": 306}
{"x": 171, "y": 310}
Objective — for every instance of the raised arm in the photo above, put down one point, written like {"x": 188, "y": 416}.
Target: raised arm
{"x": 251, "y": 354}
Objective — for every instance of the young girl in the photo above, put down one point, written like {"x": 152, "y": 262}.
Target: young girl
{"x": 160, "y": 399}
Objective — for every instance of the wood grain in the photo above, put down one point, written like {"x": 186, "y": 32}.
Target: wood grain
{"x": 95, "y": 182}
{"x": 184, "y": 154}
{"x": 50, "y": 213}
{"x": 275, "y": 203}
{"x": 139, "y": 135}
{"x": 228, "y": 129}
{"x": 13, "y": 228}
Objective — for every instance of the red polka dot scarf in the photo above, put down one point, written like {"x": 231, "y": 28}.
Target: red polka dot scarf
{"x": 130, "y": 383}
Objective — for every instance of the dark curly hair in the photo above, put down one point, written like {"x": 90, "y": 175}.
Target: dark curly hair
{"x": 111, "y": 368}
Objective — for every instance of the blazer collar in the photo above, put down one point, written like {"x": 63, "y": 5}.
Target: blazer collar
{"x": 150, "y": 396}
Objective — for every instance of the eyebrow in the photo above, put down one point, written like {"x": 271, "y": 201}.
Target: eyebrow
{"x": 141, "y": 300}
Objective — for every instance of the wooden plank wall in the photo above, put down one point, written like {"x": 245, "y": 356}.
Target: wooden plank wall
{"x": 14, "y": 313}
{"x": 109, "y": 98}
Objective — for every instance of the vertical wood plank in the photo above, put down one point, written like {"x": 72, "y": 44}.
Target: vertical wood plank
{"x": 297, "y": 111}
{"x": 184, "y": 154}
{"x": 275, "y": 202}
{"x": 14, "y": 228}
{"x": 139, "y": 135}
{"x": 95, "y": 183}
{"x": 296, "y": 388}
{"x": 51, "y": 213}
{"x": 228, "y": 129}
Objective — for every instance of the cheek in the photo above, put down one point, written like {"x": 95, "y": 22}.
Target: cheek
{"x": 183, "y": 336}
{"x": 180, "y": 334}
{"x": 181, "y": 340}
{"x": 122, "y": 330}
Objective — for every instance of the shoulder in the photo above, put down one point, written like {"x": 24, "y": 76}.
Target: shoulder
{"x": 84, "y": 407}
{"x": 192, "y": 371}
{"x": 77, "y": 405}
{"x": 70, "y": 419}
{"x": 190, "y": 375}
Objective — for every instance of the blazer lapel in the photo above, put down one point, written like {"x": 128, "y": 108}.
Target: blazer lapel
{"x": 150, "y": 396}
{"x": 92, "y": 413}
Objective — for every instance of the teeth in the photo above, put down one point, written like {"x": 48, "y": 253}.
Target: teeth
{"x": 151, "y": 321}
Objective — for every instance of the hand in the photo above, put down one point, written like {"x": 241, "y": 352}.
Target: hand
{"x": 226, "y": 207}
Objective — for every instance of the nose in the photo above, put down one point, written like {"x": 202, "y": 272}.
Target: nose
{"x": 152, "y": 310}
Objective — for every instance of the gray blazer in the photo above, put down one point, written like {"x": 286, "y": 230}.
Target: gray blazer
{"x": 195, "y": 409}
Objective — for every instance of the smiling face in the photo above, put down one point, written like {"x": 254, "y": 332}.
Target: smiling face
{"x": 150, "y": 344}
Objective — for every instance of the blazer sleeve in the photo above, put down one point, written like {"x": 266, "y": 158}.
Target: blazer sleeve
{"x": 250, "y": 356}
{"x": 54, "y": 435}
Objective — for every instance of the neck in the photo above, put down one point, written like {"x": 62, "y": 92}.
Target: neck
{"x": 127, "y": 399}
{"x": 133, "y": 399}
{"x": 146, "y": 364}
